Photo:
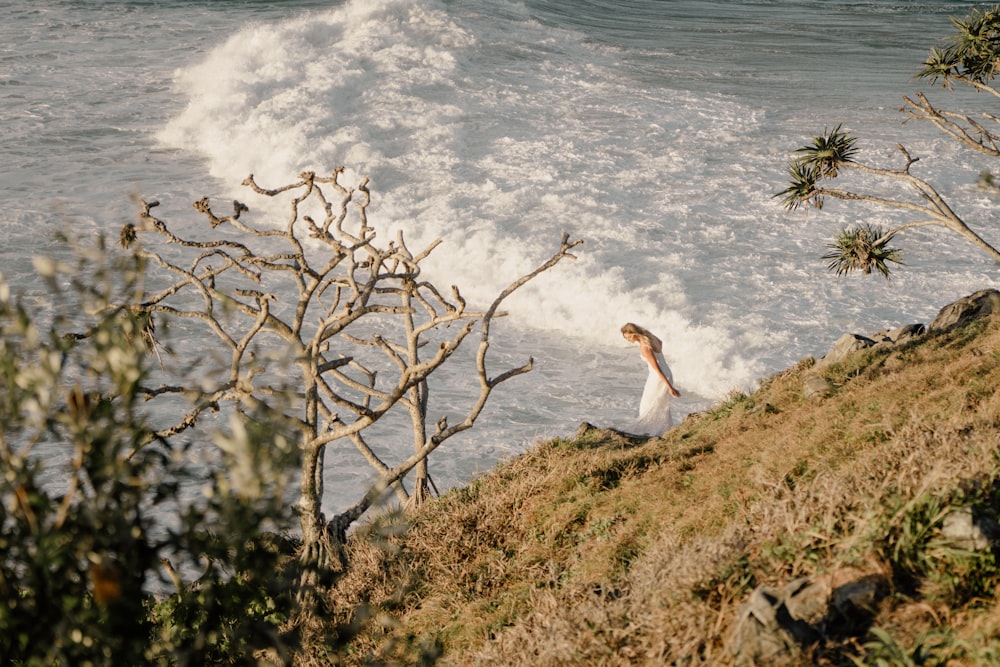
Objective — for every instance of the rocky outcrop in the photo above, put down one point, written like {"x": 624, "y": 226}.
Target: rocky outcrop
{"x": 967, "y": 309}
{"x": 774, "y": 625}
{"x": 979, "y": 305}
{"x": 849, "y": 343}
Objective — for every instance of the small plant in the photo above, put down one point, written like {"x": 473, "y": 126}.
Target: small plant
{"x": 732, "y": 579}
{"x": 922, "y": 560}
{"x": 932, "y": 649}
{"x": 862, "y": 248}
{"x": 958, "y": 576}
{"x": 735, "y": 400}
{"x": 911, "y": 527}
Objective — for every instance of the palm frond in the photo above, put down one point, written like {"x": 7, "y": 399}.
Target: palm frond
{"x": 828, "y": 152}
{"x": 801, "y": 190}
{"x": 973, "y": 52}
{"x": 862, "y": 248}
{"x": 940, "y": 65}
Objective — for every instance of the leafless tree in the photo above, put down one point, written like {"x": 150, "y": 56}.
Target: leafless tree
{"x": 365, "y": 331}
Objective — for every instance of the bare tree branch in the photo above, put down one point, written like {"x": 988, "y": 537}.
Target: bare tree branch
{"x": 351, "y": 311}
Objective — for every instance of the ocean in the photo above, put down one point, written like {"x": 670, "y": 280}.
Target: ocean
{"x": 656, "y": 130}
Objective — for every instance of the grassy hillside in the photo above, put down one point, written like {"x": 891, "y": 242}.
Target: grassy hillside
{"x": 606, "y": 549}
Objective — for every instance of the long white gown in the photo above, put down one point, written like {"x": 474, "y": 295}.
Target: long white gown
{"x": 654, "y": 408}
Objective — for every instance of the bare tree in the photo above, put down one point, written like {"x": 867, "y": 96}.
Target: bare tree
{"x": 326, "y": 289}
{"x": 971, "y": 58}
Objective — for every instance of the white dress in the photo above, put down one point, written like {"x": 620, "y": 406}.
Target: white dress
{"x": 654, "y": 408}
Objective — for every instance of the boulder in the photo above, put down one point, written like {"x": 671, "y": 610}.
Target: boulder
{"x": 967, "y": 309}
{"x": 774, "y": 622}
{"x": 773, "y": 626}
{"x": 844, "y": 346}
{"x": 964, "y": 530}
{"x": 853, "y": 605}
{"x": 899, "y": 334}
{"x": 815, "y": 386}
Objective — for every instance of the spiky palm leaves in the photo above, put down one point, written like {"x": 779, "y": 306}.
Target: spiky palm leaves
{"x": 801, "y": 190}
{"x": 828, "y": 152}
{"x": 821, "y": 159}
{"x": 858, "y": 247}
{"x": 862, "y": 248}
{"x": 973, "y": 55}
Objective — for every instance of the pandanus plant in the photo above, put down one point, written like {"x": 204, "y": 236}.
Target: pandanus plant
{"x": 970, "y": 57}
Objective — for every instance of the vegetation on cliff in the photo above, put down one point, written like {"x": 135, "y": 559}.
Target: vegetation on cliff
{"x": 842, "y": 514}
{"x": 607, "y": 549}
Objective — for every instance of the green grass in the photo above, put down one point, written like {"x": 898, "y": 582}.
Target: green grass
{"x": 607, "y": 549}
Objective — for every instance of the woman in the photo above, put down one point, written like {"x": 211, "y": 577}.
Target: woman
{"x": 654, "y": 408}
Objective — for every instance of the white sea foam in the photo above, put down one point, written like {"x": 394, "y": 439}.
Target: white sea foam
{"x": 495, "y": 144}
{"x": 656, "y": 132}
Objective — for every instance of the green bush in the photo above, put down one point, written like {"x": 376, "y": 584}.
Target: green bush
{"x": 99, "y": 519}
{"x": 925, "y": 562}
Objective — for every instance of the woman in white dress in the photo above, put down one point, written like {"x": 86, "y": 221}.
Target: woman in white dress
{"x": 654, "y": 408}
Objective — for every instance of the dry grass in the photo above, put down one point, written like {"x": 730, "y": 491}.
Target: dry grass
{"x": 607, "y": 550}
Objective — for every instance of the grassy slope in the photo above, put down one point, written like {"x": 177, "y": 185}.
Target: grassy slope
{"x": 605, "y": 550}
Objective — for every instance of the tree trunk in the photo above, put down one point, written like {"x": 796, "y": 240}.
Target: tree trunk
{"x": 422, "y": 487}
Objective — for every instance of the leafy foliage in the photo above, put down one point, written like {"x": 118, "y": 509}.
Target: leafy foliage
{"x": 973, "y": 53}
{"x": 87, "y": 494}
{"x": 971, "y": 57}
{"x": 862, "y": 248}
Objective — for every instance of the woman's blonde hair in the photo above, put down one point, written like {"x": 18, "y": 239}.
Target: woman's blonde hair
{"x": 629, "y": 327}
{"x": 653, "y": 341}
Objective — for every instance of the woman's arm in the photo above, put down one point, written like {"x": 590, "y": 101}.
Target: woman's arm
{"x": 650, "y": 357}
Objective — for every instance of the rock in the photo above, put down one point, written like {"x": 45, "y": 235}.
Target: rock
{"x": 964, "y": 530}
{"x": 588, "y": 435}
{"x": 815, "y": 386}
{"x": 853, "y": 605}
{"x": 856, "y": 596}
{"x": 850, "y": 343}
{"x": 693, "y": 417}
{"x": 807, "y": 602}
{"x": 844, "y": 346}
{"x": 774, "y": 622}
{"x": 772, "y": 626}
{"x": 765, "y": 409}
{"x": 976, "y": 306}
{"x": 967, "y": 309}
{"x": 899, "y": 334}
